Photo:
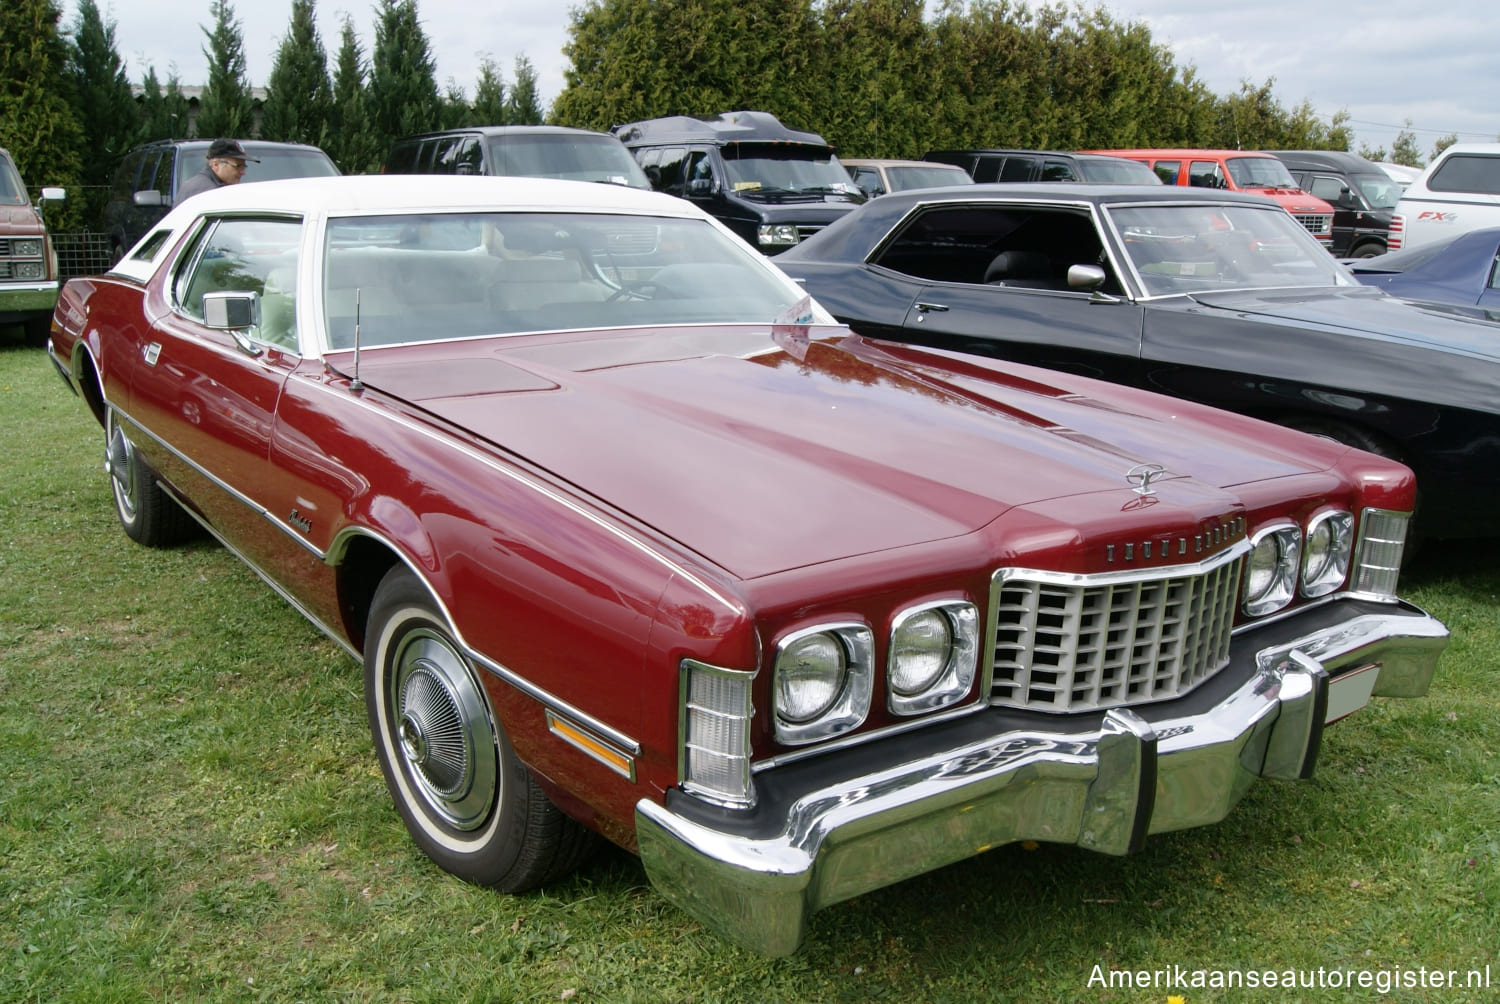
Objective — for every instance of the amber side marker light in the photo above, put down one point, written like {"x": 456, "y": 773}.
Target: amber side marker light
{"x": 592, "y": 745}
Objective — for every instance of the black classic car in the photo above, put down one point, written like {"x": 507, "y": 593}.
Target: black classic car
{"x": 1215, "y": 297}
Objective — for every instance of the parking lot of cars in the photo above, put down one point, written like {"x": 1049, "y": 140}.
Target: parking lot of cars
{"x": 804, "y": 525}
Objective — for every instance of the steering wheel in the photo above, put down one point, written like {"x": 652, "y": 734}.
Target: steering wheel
{"x": 634, "y": 291}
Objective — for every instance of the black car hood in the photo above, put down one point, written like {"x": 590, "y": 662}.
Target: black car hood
{"x": 1368, "y": 311}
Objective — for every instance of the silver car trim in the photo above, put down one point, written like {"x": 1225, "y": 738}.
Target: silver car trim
{"x": 560, "y": 706}
{"x": 1105, "y": 790}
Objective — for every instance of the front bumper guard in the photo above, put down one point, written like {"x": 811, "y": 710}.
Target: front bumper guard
{"x": 1105, "y": 790}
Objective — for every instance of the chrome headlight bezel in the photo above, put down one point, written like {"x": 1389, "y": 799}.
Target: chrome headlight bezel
{"x": 1327, "y": 551}
{"x": 953, "y": 677}
{"x": 847, "y": 704}
{"x": 1271, "y": 569}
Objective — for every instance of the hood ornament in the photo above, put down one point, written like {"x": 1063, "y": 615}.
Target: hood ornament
{"x": 1143, "y": 476}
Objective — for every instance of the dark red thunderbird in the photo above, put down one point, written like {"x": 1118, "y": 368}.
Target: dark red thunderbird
{"x": 632, "y": 539}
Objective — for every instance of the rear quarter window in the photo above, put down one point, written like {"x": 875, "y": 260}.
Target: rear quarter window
{"x": 1473, "y": 173}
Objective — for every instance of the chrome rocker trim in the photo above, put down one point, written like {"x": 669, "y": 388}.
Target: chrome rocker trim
{"x": 1104, "y": 789}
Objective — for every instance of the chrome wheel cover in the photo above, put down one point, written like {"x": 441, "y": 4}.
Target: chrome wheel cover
{"x": 441, "y": 730}
{"x": 120, "y": 461}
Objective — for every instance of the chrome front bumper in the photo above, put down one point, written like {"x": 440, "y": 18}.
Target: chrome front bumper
{"x": 1135, "y": 772}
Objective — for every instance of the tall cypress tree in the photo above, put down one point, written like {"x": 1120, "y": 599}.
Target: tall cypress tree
{"x": 164, "y": 112}
{"x": 37, "y": 121}
{"x": 299, "y": 99}
{"x": 106, "y": 110}
{"x": 403, "y": 89}
{"x": 524, "y": 107}
{"x": 489, "y": 107}
{"x": 351, "y": 142}
{"x": 225, "y": 108}
{"x": 455, "y": 106}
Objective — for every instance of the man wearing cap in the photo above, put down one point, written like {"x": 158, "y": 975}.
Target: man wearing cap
{"x": 226, "y": 166}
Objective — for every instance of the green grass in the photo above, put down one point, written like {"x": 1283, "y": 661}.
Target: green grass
{"x": 190, "y": 809}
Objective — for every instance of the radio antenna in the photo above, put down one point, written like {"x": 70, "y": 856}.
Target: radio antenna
{"x": 354, "y": 384}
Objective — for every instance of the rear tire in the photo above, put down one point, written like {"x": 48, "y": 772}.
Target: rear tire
{"x": 465, "y": 798}
{"x": 1368, "y": 251}
{"x": 147, "y": 514}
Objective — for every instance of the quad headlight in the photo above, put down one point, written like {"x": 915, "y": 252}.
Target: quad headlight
{"x": 1326, "y": 553}
{"x": 1271, "y": 569}
{"x": 933, "y": 656}
{"x": 822, "y": 682}
{"x": 26, "y": 247}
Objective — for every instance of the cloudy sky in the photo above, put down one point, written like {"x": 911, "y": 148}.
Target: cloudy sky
{"x": 1435, "y": 63}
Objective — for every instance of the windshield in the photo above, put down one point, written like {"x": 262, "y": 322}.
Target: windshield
{"x": 1379, "y": 190}
{"x": 12, "y": 192}
{"x": 1206, "y": 248}
{"x": 276, "y": 164}
{"x": 1260, "y": 172}
{"x": 571, "y": 156}
{"x": 787, "y": 169}
{"x": 1116, "y": 171}
{"x": 439, "y": 276}
{"x": 934, "y": 176}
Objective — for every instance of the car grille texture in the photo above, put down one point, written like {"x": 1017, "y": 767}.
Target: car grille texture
{"x": 804, "y": 231}
{"x": 1320, "y": 224}
{"x": 1067, "y": 646}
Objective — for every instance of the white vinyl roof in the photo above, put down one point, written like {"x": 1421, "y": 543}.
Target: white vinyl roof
{"x": 396, "y": 193}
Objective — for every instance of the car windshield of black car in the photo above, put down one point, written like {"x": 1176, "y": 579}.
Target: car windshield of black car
{"x": 1206, "y": 248}
{"x": 771, "y": 168}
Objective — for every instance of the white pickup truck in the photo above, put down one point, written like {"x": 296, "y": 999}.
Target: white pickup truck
{"x": 1458, "y": 192}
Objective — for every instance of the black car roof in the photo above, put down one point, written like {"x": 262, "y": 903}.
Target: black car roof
{"x": 1338, "y": 160}
{"x": 851, "y": 237}
{"x": 504, "y": 130}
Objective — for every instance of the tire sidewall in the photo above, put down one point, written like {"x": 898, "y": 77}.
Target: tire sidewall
{"x": 484, "y": 855}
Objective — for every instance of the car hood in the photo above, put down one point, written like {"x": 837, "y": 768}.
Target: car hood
{"x": 815, "y": 452}
{"x": 1367, "y": 311}
{"x": 20, "y": 221}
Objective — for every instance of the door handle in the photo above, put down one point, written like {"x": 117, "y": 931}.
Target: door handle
{"x": 923, "y": 309}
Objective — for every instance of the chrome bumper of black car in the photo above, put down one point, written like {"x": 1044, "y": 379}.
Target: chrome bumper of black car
{"x": 1132, "y": 773}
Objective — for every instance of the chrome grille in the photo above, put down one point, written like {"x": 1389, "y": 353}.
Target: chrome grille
{"x": 1080, "y": 643}
{"x": 1319, "y": 224}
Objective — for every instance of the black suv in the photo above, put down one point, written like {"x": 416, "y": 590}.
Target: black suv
{"x": 149, "y": 176}
{"x": 518, "y": 151}
{"x": 773, "y": 186}
{"x": 1046, "y": 165}
{"x": 1363, "y": 197}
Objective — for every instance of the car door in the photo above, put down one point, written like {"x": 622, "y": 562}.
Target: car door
{"x": 1348, "y": 207}
{"x": 992, "y": 279}
{"x": 209, "y": 396}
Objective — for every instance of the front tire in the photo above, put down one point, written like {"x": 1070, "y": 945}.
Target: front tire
{"x": 147, "y": 514}
{"x": 465, "y": 798}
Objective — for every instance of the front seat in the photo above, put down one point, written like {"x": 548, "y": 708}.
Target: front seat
{"x": 1023, "y": 269}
